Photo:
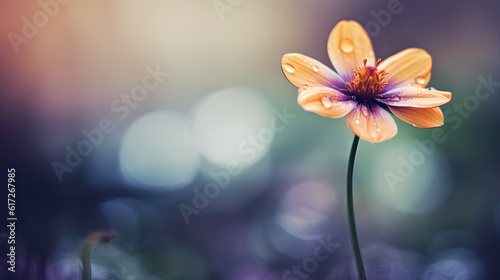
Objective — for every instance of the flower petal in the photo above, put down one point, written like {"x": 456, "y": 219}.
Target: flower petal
{"x": 419, "y": 117}
{"x": 348, "y": 45}
{"x": 371, "y": 123}
{"x": 446, "y": 94}
{"x": 303, "y": 71}
{"x": 326, "y": 102}
{"x": 415, "y": 97}
{"x": 411, "y": 66}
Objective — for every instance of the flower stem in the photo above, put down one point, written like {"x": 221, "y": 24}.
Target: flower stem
{"x": 100, "y": 236}
{"x": 350, "y": 211}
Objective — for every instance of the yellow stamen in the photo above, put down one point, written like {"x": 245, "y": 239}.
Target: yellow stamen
{"x": 367, "y": 81}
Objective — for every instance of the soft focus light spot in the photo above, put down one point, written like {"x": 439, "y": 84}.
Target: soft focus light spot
{"x": 234, "y": 124}
{"x": 306, "y": 210}
{"x": 286, "y": 243}
{"x": 304, "y": 216}
{"x": 458, "y": 264}
{"x": 386, "y": 262}
{"x": 407, "y": 179}
{"x": 157, "y": 151}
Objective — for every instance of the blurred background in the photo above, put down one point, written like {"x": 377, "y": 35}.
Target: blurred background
{"x": 172, "y": 123}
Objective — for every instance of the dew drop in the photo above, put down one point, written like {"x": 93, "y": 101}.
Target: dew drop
{"x": 365, "y": 111}
{"x": 289, "y": 68}
{"x": 394, "y": 98}
{"x": 378, "y": 130}
{"x": 305, "y": 60}
{"x": 315, "y": 68}
{"x": 326, "y": 101}
{"x": 305, "y": 87}
{"x": 371, "y": 53}
{"x": 346, "y": 45}
{"x": 356, "y": 121}
{"x": 420, "y": 80}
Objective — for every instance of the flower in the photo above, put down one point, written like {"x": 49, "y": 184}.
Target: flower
{"x": 363, "y": 90}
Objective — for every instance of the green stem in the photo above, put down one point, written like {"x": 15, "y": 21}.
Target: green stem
{"x": 85, "y": 259}
{"x": 350, "y": 212}
{"x": 85, "y": 251}
{"x": 100, "y": 236}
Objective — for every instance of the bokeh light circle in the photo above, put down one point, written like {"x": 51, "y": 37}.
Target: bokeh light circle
{"x": 234, "y": 124}
{"x": 410, "y": 180}
{"x": 457, "y": 263}
{"x": 157, "y": 151}
{"x": 306, "y": 210}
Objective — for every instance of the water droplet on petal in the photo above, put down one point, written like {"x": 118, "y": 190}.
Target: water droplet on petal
{"x": 365, "y": 111}
{"x": 315, "y": 68}
{"x": 378, "y": 130}
{"x": 346, "y": 45}
{"x": 394, "y": 98}
{"x": 288, "y": 68}
{"x": 305, "y": 87}
{"x": 356, "y": 121}
{"x": 326, "y": 101}
{"x": 305, "y": 60}
{"x": 420, "y": 80}
{"x": 371, "y": 53}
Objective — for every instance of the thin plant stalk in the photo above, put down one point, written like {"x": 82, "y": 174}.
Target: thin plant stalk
{"x": 100, "y": 236}
{"x": 350, "y": 212}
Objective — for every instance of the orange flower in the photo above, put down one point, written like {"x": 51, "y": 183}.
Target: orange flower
{"x": 363, "y": 89}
